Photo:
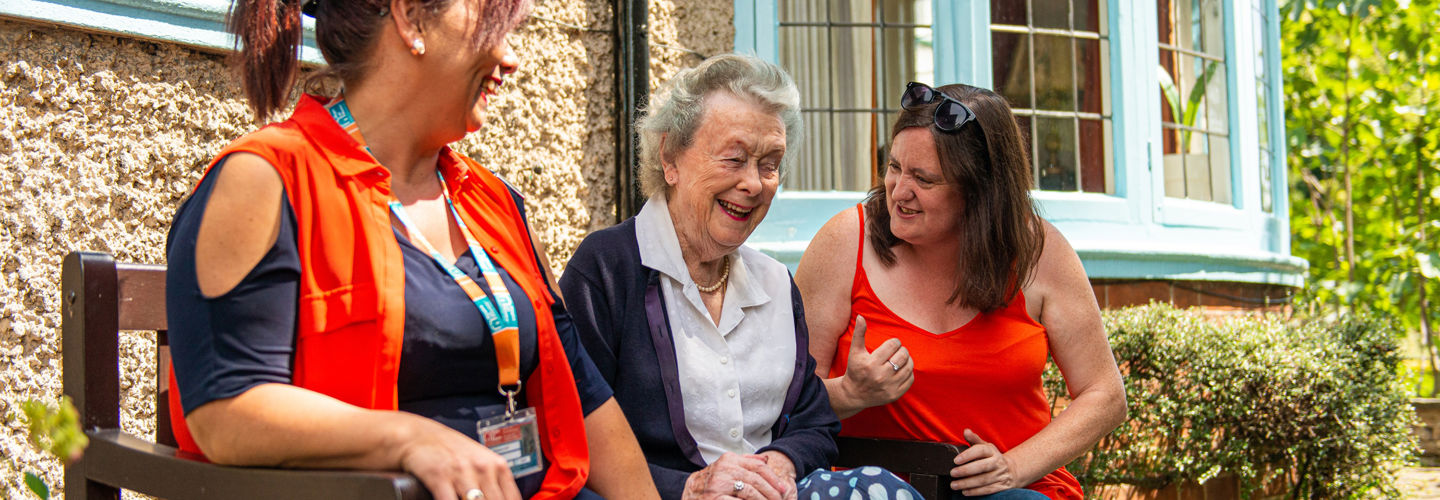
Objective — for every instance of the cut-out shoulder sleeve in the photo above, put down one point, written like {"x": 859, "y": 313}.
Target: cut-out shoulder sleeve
{"x": 223, "y": 346}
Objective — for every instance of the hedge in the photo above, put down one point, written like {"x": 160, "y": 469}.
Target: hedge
{"x": 1316, "y": 404}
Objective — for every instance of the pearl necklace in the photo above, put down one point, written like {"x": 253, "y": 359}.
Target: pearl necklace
{"x": 724, "y": 276}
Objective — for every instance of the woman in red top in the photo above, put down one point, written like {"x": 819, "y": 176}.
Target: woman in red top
{"x": 964, "y": 290}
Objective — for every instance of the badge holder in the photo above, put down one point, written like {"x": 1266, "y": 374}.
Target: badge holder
{"x": 514, "y": 435}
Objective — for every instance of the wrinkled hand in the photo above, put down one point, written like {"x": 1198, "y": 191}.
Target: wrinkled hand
{"x": 758, "y": 480}
{"x": 879, "y": 377}
{"x": 784, "y": 470}
{"x": 982, "y": 469}
{"x": 450, "y": 464}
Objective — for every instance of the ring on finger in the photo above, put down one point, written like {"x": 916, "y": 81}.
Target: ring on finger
{"x": 474, "y": 494}
{"x": 739, "y": 485}
{"x": 893, "y": 366}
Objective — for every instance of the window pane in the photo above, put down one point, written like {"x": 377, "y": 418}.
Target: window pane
{"x": 1219, "y": 151}
{"x": 1056, "y": 153}
{"x": 1054, "y": 14}
{"x": 850, "y": 78}
{"x": 1054, "y": 73}
{"x": 1194, "y": 106}
{"x": 1216, "y": 102}
{"x": 1266, "y": 202}
{"x": 1059, "y": 86}
{"x": 1092, "y": 156}
{"x": 855, "y": 146}
{"x": 1011, "y": 64}
{"x": 1260, "y": 32}
{"x": 908, "y": 56}
{"x": 906, "y": 12}
{"x": 853, "y": 11}
{"x": 1089, "y": 89}
{"x": 1087, "y": 15}
{"x": 1026, "y": 132}
{"x": 853, "y": 67}
{"x": 805, "y": 53}
{"x": 802, "y": 11}
{"x": 1010, "y": 12}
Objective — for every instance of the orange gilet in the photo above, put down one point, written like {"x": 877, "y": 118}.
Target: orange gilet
{"x": 351, "y": 317}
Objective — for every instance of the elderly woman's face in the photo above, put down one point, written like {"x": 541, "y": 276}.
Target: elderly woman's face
{"x": 721, "y": 186}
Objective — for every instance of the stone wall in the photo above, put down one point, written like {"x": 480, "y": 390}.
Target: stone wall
{"x": 102, "y": 137}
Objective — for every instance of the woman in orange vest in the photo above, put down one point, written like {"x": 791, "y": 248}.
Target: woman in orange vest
{"x": 965, "y": 291}
{"x": 345, "y": 291}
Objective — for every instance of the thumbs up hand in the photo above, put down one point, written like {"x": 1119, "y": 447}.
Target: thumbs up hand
{"x": 878, "y": 377}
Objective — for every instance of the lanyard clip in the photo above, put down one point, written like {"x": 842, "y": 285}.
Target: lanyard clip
{"x": 510, "y": 398}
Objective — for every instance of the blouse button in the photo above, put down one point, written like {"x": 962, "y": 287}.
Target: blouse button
{"x": 724, "y": 359}
{"x": 735, "y": 433}
{"x": 730, "y": 393}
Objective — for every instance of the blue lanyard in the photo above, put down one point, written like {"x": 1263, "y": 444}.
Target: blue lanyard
{"x": 503, "y": 322}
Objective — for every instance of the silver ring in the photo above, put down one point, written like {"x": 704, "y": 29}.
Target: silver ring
{"x": 474, "y": 494}
{"x": 893, "y": 366}
{"x": 739, "y": 485}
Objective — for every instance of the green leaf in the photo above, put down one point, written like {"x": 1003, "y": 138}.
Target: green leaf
{"x": 1172, "y": 95}
{"x": 37, "y": 486}
{"x": 1429, "y": 264}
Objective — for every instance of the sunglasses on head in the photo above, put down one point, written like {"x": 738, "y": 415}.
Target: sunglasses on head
{"x": 950, "y": 115}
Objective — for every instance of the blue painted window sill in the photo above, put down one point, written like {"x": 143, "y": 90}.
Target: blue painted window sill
{"x": 194, "y": 23}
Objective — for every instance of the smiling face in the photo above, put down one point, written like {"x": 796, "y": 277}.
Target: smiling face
{"x": 923, "y": 206}
{"x": 721, "y": 186}
{"x": 462, "y": 75}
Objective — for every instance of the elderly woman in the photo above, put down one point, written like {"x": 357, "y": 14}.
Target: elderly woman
{"x": 703, "y": 339}
{"x": 949, "y": 258}
{"x": 345, "y": 291}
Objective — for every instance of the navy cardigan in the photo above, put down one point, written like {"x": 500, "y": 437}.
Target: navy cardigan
{"x": 621, "y": 319}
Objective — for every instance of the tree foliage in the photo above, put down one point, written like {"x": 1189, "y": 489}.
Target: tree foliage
{"x": 1362, "y": 101}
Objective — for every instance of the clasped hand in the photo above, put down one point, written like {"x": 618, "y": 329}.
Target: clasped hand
{"x": 766, "y": 476}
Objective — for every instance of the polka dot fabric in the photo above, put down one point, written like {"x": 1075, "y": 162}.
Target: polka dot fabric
{"x": 865, "y": 483}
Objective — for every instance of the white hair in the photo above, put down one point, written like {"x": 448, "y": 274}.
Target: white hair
{"x": 678, "y": 108}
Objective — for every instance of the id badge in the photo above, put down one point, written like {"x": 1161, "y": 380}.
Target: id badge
{"x": 516, "y": 438}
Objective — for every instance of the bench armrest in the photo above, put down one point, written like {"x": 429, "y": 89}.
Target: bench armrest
{"x": 121, "y": 460}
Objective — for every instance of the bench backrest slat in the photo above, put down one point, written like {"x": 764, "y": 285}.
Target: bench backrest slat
{"x": 142, "y": 296}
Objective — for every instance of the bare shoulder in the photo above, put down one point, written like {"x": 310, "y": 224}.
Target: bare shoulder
{"x": 831, "y": 253}
{"x": 241, "y": 222}
{"x": 1057, "y": 258}
{"x": 1059, "y": 287}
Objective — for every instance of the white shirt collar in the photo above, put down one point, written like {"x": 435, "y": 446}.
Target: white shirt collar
{"x": 660, "y": 250}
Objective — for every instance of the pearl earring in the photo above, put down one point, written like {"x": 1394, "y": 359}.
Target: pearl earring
{"x": 417, "y": 47}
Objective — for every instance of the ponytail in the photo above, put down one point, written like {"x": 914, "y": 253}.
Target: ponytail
{"x": 267, "y": 35}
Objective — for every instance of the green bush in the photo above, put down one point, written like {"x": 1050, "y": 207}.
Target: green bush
{"x": 1316, "y": 404}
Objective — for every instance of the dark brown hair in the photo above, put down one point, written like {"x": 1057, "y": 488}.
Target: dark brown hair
{"x": 988, "y": 163}
{"x": 267, "y": 37}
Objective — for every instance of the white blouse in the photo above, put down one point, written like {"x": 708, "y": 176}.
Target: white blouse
{"x": 734, "y": 375}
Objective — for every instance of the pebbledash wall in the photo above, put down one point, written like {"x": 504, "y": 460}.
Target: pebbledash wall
{"x": 107, "y": 120}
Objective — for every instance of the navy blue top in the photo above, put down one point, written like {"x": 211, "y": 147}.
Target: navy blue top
{"x": 225, "y": 345}
{"x": 619, "y": 312}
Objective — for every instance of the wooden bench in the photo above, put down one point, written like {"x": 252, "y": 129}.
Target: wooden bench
{"x": 927, "y": 463}
{"x": 101, "y": 297}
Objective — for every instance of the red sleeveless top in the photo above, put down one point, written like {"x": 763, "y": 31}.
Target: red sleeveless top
{"x": 983, "y": 376}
